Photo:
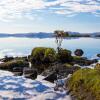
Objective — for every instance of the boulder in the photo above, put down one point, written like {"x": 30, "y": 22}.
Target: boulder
{"x": 98, "y": 55}
{"x": 6, "y": 59}
{"x": 94, "y": 61}
{"x": 18, "y": 71}
{"x": 51, "y": 78}
{"x": 10, "y": 65}
{"x": 83, "y": 61}
{"x": 30, "y": 73}
{"x": 62, "y": 70}
{"x": 79, "y": 52}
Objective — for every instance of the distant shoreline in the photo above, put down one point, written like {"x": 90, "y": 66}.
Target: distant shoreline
{"x": 49, "y": 35}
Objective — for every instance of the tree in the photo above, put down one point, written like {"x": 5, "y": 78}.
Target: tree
{"x": 59, "y": 38}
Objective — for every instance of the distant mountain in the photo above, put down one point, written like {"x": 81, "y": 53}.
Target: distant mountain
{"x": 95, "y": 34}
{"x": 29, "y": 35}
{"x": 49, "y": 35}
{"x": 4, "y": 35}
{"x": 34, "y": 35}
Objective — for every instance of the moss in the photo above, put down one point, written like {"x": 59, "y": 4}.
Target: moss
{"x": 77, "y": 58}
{"x": 67, "y": 65}
{"x": 85, "y": 82}
{"x": 50, "y": 55}
{"x": 42, "y": 55}
{"x": 37, "y": 55}
{"x": 21, "y": 58}
{"x": 97, "y": 66}
{"x": 64, "y": 55}
{"x": 14, "y": 63}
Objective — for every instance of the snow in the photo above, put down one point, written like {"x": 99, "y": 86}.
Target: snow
{"x": 92, "y": 66}
{"x": 20, "y": 88}
{"x": 99, "y": 61}
{"x": 5, "y": 73}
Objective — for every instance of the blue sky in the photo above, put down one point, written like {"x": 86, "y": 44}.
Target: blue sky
{"x": 49, "y": 15}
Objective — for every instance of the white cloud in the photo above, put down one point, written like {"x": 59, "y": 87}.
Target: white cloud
{"x": 78, "y": 7}
{"x": 16, "y": 9}
{"x": 63, "y": 12}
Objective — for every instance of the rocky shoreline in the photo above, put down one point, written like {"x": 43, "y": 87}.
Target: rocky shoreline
{"x": 53, "y": 66}
{"x": 30, "y": 66}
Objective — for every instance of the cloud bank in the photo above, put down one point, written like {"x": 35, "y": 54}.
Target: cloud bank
{"x": 17, "y": 9}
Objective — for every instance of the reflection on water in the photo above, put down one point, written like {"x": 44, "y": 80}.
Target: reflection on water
{"x": 23, "y": 46}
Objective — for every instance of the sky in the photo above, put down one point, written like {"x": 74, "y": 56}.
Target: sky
{"x": 22, "y": 16}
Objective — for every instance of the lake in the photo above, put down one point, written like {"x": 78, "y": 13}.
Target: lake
{"x": 12, "y": 46}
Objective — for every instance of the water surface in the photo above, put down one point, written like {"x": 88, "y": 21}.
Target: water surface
{"x": 22, "y": 46}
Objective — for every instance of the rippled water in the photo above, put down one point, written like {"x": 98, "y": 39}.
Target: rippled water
{"x": 23, "y": 46}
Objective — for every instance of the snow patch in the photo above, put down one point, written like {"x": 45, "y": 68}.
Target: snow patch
{"x": 21, "y": 88}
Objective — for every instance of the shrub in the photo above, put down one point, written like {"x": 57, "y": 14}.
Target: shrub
{"x": 64, "y": 56}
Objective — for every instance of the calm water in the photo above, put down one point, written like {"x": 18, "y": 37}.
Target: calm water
{"x": 23, "y": 46}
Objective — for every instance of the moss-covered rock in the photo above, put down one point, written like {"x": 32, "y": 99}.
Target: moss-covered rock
{"x": 64, "y": 56}
{"x": 6, "y": 58}
{"x": 37, "y": 55}
{"x": 62, "y": 70}
{"x": 42, "y": 55}
{"x": 97, "y": 67}
{"x": 85, "y": 84}
{"x": 14, "y": 63}
{"x": 83, "y": 61}
{"x": 49, "y": 56}
{"x": 79, "y": 60}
